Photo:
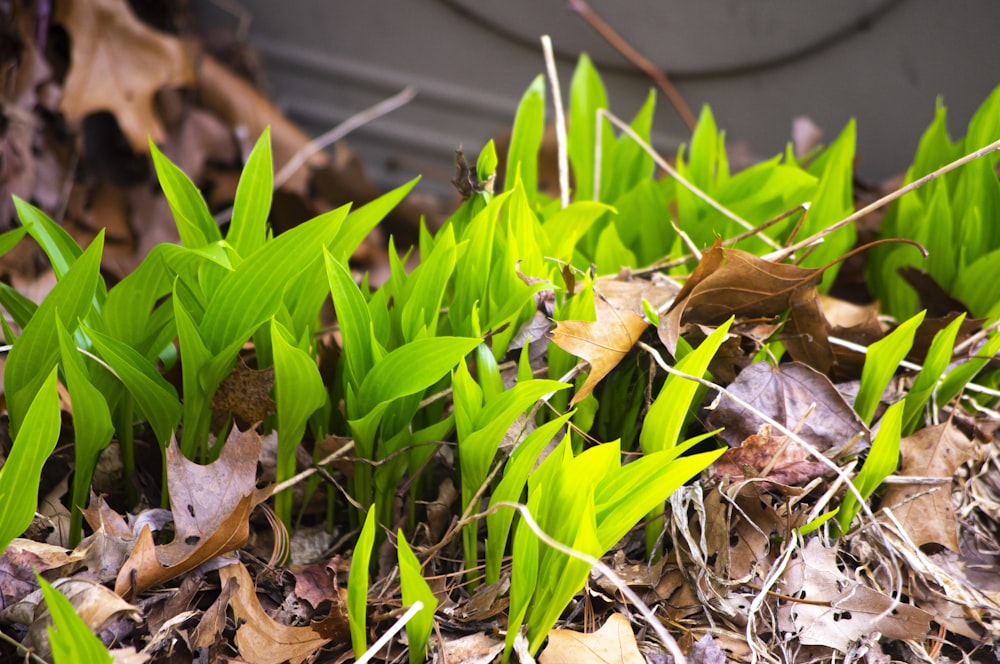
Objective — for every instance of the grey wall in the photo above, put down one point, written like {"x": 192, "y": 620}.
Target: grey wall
{"x": 757, "y": 63}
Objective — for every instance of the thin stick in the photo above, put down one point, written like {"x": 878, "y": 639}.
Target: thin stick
{"x": 781, "y": 254}
{"x": 396, "y": 626}
{"x": 637, "y": 59}
{"x": 292, "y": 481}
{"x": 550, "y": 66}
{"x": 357, "y": 120}
{"x": 672, "y": 172}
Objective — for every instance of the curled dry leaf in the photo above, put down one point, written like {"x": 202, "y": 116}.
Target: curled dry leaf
{"x": 614, "y": 643}
{"x": 118, "y": 63}
{"x": 265, "y": 641}
{"x": 837, "y": 610}
{"x": 936, "y": 451}
{"x": 211, "y": 508}
{"x": 731, "y": 282}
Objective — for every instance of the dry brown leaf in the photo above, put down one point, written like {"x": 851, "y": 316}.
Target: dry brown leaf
{"x": 936, "y": 451}
{"x": 604, "y": 342}
{"x": 731, "y": 282}
{"x": 265, "y": 641}
{"x": 117, "y": 64}
{"x": 614, "y": 643}
{"x": 793, "y": 466}
{"x": 246, "y": 393}
{"x": 799, "y": 398}
{"x": 837, "y": 610}
{"x": 211, "y": 508}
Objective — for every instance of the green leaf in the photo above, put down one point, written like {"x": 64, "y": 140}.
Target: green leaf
{"x": 415, "y": 589}
{"x": 938, "y": 357}
{"x": 412, "y": 368}
{"x": 587, "y": 95}
{"x": 487, "y": 163}
{"x": 35, "y": 352}
{"x": 69, "y": 637}
{"x": 960, "y": 376}
{"x": 92, "y": 426}
{"x": 57, "y": 244}
{"x": 354, "y": 320}
{"x": 526, "y": 139}
{"x": 510, "y": 488}
{"x": 630, "y": 492}
{"x": 565, "y": 228}
{"x": 21, "y": 473}
{"x": 299, "y": 392}
{"x": 357, "y": 585}
{"x": 425, "y": 288}
{"x": 20, "y": 308}
{"x": 10, "y": 239}
{"x": 248, "y": 228}
{"x": 156, "y": 397}
{"x": 664, "y": 423}
{"x": 251, "y": 293}
{"x": 881, "y": 361}
{"x": 883, "y": 458}
{"x": 194, "y": 222}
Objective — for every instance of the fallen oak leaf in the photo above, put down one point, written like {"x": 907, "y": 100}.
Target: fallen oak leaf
{"x": 271, "y": 642}
{"x": 211, "y": 507}
{"x": 118, "y": 63}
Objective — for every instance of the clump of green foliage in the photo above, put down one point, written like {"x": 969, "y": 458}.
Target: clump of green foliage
{"x": 440, "y": 353}
{"x": 954, "y": 218}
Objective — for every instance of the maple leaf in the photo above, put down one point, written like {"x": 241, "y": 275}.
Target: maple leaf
{"x": 118, "y": 63}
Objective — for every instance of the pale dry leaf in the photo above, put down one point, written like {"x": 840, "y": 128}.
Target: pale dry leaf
{"x": 614, "y": 643}
{"x": 118, "y": 63}
{"x": 265, "y": 641}
{"x": 837, "y": 610}
{"x": 936, "y": 451}
{"x": 478, "y": 648}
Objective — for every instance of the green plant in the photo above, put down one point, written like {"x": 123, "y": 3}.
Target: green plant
{"x": 881, "y": 362}
{"x": 21, "y": 472}
{"x": 69, "y": 637}
{"x": 953, "y": 217}
{"x": 415, "y": 589}
{"x": 587, "y": 502}
{"x": 883, "y": 458}
{"x": 357, "y": 585}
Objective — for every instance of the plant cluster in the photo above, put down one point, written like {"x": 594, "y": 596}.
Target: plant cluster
{"x": 451, "y": 360}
